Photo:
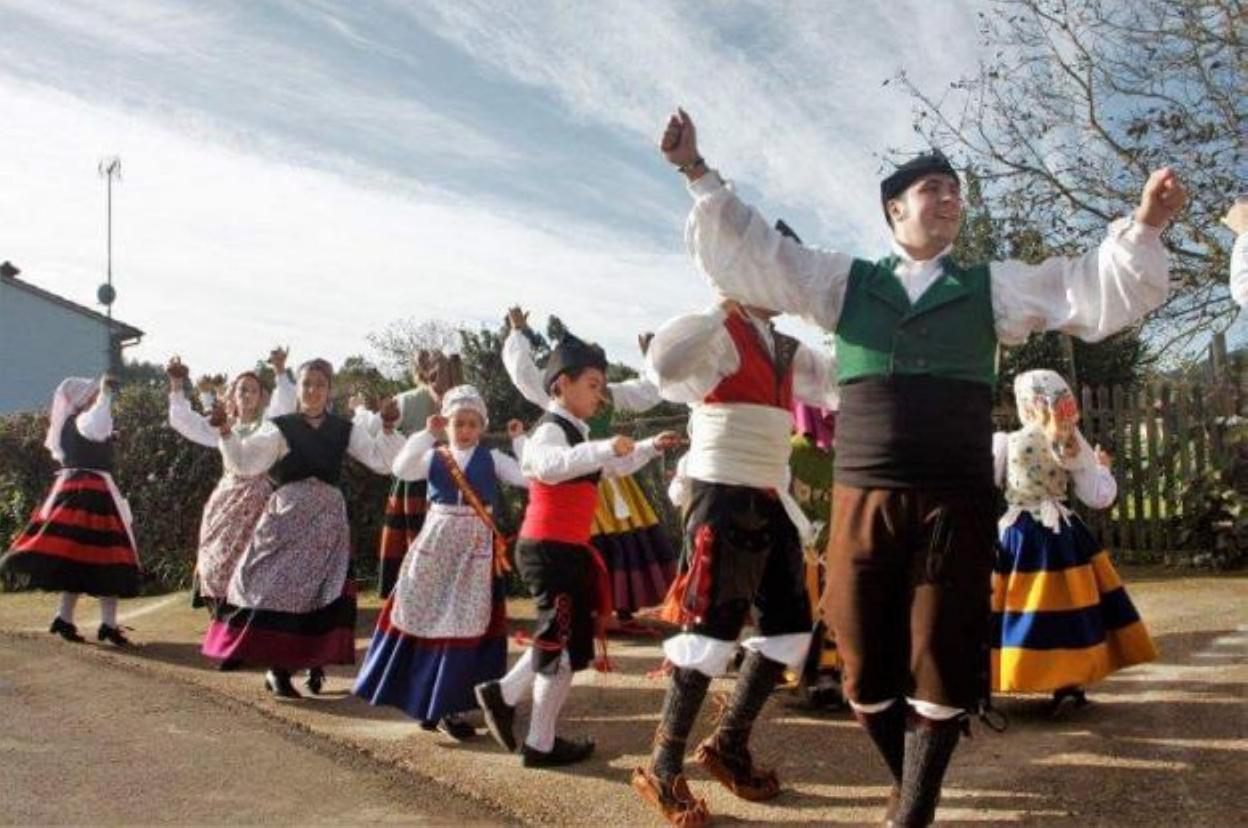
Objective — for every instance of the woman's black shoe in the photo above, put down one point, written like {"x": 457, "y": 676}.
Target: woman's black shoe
{"x": 65, "y": 630}
{"x": 278, "y": 683}
{"x": 315, "y": 681}
{"x": 113, "y": 635}
{"x": 563, "y": 752}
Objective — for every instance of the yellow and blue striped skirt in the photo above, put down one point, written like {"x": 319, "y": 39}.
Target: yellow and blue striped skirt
{"x": 1061, "y": 616}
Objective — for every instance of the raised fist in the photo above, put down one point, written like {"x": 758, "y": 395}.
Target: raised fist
{"x": 515, "y": 428}
{"x": 1164, "y": 196}
{"x": 277, "y": 358}
{"x": 175, "y": 370}
{"x": 517, "y": 318}
{"x": 680, "y": 140}
{"x": 217, "y": 417}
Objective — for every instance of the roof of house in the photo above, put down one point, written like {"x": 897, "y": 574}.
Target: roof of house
{"x": 118, "y": 328}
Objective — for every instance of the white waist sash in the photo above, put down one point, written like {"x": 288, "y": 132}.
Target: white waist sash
{"x": 741, "y": 444}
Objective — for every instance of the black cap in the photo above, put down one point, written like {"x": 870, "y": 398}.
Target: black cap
{"x": 911, "y": 171}
{"x": 571, "y": 354}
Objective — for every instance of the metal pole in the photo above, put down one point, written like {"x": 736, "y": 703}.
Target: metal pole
{"x": 110, "y": 244}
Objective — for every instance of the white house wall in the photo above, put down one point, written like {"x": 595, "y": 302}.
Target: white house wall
{"x": 41, "y": 343}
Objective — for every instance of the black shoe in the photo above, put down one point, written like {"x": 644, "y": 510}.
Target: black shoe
{"x": 315, "y": 682}
{"x": 113, "y": 635}
{"x": 456, "y": 728}
{"x": 1066, "y": 699}
{"x": 65, "y": 630}
{"x": 564, "y": 752}
{"x": 278, "y": 683}
{"x": 230, "y": 665}
{"x": 500, "y": 717}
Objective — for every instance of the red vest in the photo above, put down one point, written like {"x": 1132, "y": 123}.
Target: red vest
{"x": 758, "y": 380}
{"x": 561, "y": 512}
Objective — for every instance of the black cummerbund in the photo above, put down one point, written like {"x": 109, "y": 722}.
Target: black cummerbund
{"x": 915, "y": 432}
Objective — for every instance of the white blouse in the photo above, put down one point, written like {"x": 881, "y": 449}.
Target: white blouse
{"x": 194, "y": 427}
{"x": 413, "y": 460}
{"x": 1089, "y": 296}
{"x": 96, "y": 423}
{"x": 691, "y": 354}
{"x": 259, "y": 452}
{"x": 629, "y": 395}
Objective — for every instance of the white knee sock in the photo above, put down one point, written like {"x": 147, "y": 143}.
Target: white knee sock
{"x": 65, "y": 611}
{"x": 519, "y": 680}
{"x": 108, "y": 612}
{"x": 549, "y": 694}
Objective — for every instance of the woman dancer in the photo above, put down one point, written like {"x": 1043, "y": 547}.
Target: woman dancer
{"x": 290, "y": 604}
{"x": 80, "y": 539}
{"x": 238, "y": 500}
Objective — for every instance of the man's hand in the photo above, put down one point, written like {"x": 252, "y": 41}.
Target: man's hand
{"x": 515, "y": 428}
{"x": 517, "y": 318}
{"x": 667, "y": 440}
{"x": 1236, "y": 218}
{"x": 1164, "y": 196}
{"x": 680, "y": 144}
{"x": 621, "y": 445}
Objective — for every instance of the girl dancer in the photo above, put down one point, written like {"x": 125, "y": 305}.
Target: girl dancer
{"x": 443, "y": 630}
{"x": 80, "y": 539}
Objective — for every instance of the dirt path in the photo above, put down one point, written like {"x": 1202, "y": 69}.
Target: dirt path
{"x": 1163, "y": 744}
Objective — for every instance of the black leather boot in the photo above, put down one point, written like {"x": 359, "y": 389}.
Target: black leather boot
{"x": 65, "y": 630}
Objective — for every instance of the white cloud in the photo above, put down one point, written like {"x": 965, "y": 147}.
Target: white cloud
{"x": 219, "y": 254}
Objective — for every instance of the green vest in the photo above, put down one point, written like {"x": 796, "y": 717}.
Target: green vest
{"x": 949, "y": 332}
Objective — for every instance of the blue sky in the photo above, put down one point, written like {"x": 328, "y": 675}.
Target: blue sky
{"x": 308, "y": 172}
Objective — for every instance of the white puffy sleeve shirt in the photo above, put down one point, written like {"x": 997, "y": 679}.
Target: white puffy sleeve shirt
{"x": 413, "y": 460}
{"x": 691, "y": 354}
{"x": 548, "y": 458}
{"x": 1089, "y": 296}
{"x": 96, "y": 423}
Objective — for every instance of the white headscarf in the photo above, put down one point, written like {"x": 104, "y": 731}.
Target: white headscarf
{"x": 465, "y": 398}
{"x": 70, "y": 398}
{"x": 1032, "y": 386}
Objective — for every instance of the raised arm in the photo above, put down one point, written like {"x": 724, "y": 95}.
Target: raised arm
{"x": 742, "y": 254}
{"x": 285, "y": 397}
{"x": 1094, "y": 482}
{"x": 184, "y": 420}
{"x": 377, "y": 451}
{"x": 549, "y": 458}
{"x": 1101, "y": 292}
{"x": 96, "y": 423}
{"x": 507, "y": 469}
{"x": 690, "y": 354}
{"x": 412, "y": 461}
{"x": 638, "y": 394}
{"x": 524, "y": 373}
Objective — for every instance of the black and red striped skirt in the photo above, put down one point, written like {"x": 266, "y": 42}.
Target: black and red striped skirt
{"x": 76, "y": 541}
{"x": 405, "y": 515}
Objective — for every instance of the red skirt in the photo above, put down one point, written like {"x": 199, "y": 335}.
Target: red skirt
{"x": 76, "y": 541}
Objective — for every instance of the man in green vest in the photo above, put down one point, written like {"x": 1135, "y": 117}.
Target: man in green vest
{"x": 911, "y": 544}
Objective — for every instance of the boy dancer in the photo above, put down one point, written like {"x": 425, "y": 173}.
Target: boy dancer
{"x": 554, "y": 558}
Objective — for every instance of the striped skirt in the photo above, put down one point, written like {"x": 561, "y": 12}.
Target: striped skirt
{"x": 404, "y": 517}
{"x": 78, "y": 540}
{"x": 638, "y": 555}
{"x": 1061, "y": 616}
{"x": 290, "y": 603}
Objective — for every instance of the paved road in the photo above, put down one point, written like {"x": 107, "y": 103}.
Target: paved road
{"x": 86, "y": 742}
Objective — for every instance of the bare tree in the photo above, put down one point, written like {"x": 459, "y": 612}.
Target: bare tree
{"x": 1080, "y": 101}
{"x": 399, "y": 341}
